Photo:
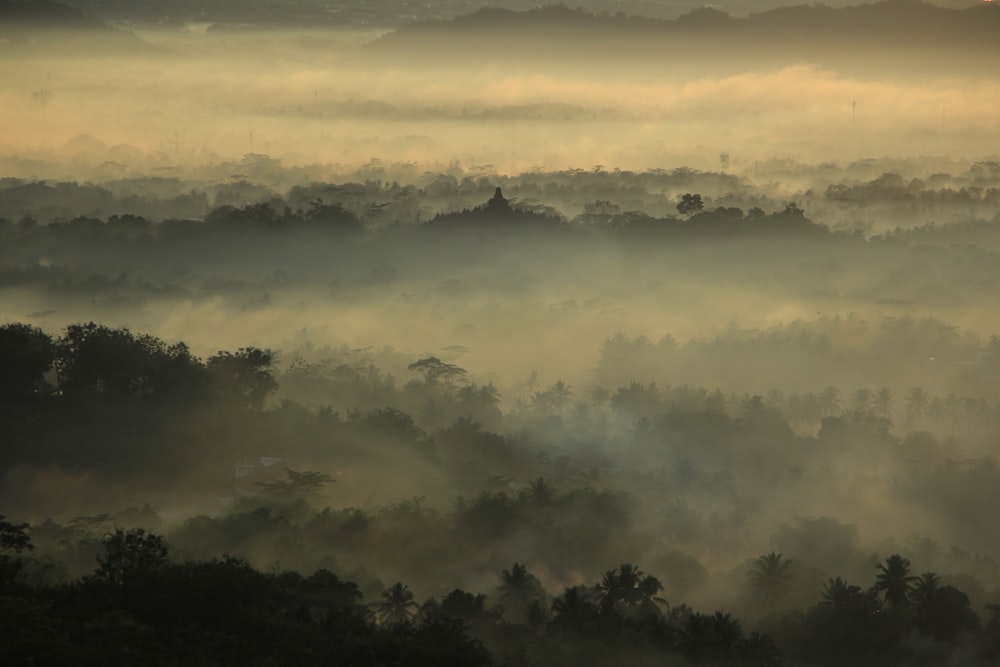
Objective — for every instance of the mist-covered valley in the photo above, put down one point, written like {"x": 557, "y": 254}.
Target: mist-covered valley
{"x": 321, "y": 345}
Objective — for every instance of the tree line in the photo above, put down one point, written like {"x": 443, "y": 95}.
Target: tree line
{"x": 139, "y": 606}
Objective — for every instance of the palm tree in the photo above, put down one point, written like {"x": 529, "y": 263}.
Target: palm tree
{"x": 515, "y": 579}
{"x": 925, "y": 588}
{"x": 540, "y": 492}
{"x": 397, "y": 605}
{"x": 894, "y": 578}
{"x": 883, "y": 403}
{"x": 599, "y": 397}
{"x": 716, "y": 402}
{"x": 720, "y": 631}
{"x": 916, "y": 405}
{"x": 552, "y": 400}
{"x": 575, "y": 608}
{"x": 519, "y": 590}
{"x": 829, "y": 401}
{"x": 837, "y": 592}
{"x": 993, "y": 624}
{"x": 627, "y": 588}
{"x": 862, "y": 400}
{"x": 770, "y": 577}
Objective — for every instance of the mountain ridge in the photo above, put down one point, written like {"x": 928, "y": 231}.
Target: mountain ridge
{"x": 889, "y": 23}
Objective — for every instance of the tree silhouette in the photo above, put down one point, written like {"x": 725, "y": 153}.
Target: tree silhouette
{"x": 14, "y": 541}
{"x": 95, "y": 360}
{"x": 243, "y": 378}
{"x": 519, "y": 592}
{"x": 830, "y": 401}
{"x": 690, "y": 204}
{"x": 130, "y": 555}
{"x": 26, "y": 353}
{"x": 296, "y": 485}
{"x": 552, "y": 400}
{"x": 862, "y": 400}
{"x": 884, "y": 400}
{"x": 916, "y": 405}
{"x": 397, "y": 605}
{"x": 770, "y": 578}
{"x": 710, "y": 639}
{"x": 540, "y": 492}
{"x": 627, "y": 590}
{"x": 895, "y": 580}
{"x": 436, "y": 371}
{"x": 575, "y": 609}
{"x": 945, "y": 615}
{"x": 925, "y": 587}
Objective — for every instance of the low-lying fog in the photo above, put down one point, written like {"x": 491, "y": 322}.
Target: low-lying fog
{"x": 181, "y": 100}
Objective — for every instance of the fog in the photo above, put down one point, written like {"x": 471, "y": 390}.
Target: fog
{"x": 336, "y": 98}
{"x": 329, "y": 299}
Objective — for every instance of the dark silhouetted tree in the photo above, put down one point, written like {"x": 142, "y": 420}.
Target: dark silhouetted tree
{"x": 690, "y": 204}
{"x": 916, "y": 405}
{"x": 95, "y": 360}
{"x": 895, "y": 580}
{"x": 243, "y": 378}
{"x": 396, "y": 606}
{"x": 26, "y": 353}
{"x": 520, "y": 592}
{"x": 436, "y": 371}
{"x": 14, "y": 541}
{"x": 129, "y": 555}
{"x": 770, "y": 578}
{"x": 576, "y": 609}
{"x": 296, "y": 485}
{"x": 627, "y": 590}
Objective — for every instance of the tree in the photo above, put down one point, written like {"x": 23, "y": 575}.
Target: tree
{"x": 14, "y": 541}
{"x": 297, "y": 485}
{"x": 770, "y": 578}
{"x": 884, "y": 401}
{"x": 916, "y": 405}
{"x": 894, "y": 578}
{"x": 397, "y": 605}
{"x": 26, "y": 354}
{"x": 830, "y": 401}
{"x": 945, "y": 615}
{"x": 540, "y": 492}
{"x": 690, "y": 204}
{"x": 839, "y": 594}
{"x": 575, "y": 609}
{"x": 434, "y": 371}
{"x": 243, "y": 378}
{"x": 95, "y": 360}
{"x": 628, "y": 590}
{"x": 470, "y": 609}
{"x": 712, "y": 639}
{"x": 519, "y": 591}
{"x": 334, "y": 218}
{"x": 130, "y": 555}
{"x": 925, "y": 587}
{"x": 862, "y": 400}
{"x": 552, "y": 400}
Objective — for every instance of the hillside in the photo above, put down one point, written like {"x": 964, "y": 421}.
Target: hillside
{"x": 40, "y": 27}
{"x": 889, "y": 33}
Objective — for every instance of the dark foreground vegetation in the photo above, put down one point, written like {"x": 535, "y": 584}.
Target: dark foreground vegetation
{"x": 140, "y": 607}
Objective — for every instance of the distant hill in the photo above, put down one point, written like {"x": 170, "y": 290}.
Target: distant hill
{"x": 895, "y": 31}
{"x": 40, "y": 26}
